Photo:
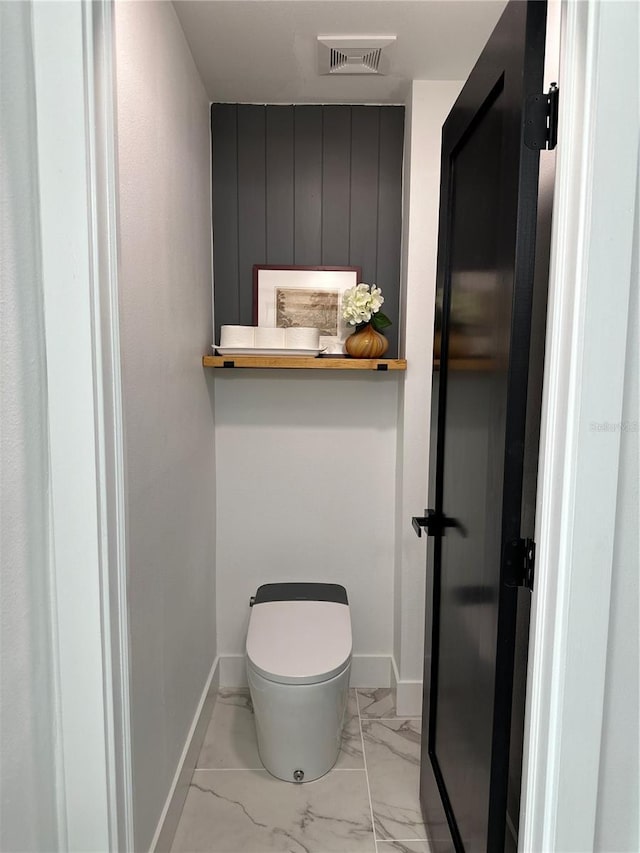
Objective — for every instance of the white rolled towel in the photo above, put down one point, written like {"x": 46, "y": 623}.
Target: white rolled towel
{"x": 269, "y": 338}
{"x": 302, "y": 337}
{"x": 237, "y": 336}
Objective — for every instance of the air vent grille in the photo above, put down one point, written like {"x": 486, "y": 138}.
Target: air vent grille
{"x": 354, "y": 62}
{"x": 353, "y": 54}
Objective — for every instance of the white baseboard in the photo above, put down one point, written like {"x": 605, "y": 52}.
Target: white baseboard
{"x": 168, "y": 823}
{"x": 408, "y": 694}
{"x": 366, "y": 671}
{"x": 409, "y": 699}
{"x": 395, "y": 676}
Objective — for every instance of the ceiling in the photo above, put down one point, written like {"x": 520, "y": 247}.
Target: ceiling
{"x": 264, "y": 51}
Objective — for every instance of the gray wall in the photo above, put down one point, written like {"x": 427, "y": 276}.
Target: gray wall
{"x": 164, "y": 164}
{"x": 309, "y": 185}
{"x": 28, "y": 803}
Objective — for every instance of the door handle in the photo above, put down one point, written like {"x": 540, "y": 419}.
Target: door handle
{"x": 425, "y": 522}
{"x": 435, "y": 524}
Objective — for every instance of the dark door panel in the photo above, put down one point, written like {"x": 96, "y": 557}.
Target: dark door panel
{"x": 485, "y": 285}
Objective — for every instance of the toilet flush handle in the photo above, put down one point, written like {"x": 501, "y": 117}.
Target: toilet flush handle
{"x": 252, "y": 601}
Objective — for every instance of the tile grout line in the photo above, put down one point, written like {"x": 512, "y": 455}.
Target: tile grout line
{"x": 366, "y": 774}
{"x": 390, "y": 719}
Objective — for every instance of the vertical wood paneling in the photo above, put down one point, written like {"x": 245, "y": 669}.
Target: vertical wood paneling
{"x": 364, "y": 189}
{"x": 336, "y": 185}
{"x": 390, "y": 214}
{"x": 279, "y": 186}
{"x": 308, "y": 185}
{"x": 251, "y": 202}
{"x": 225, "y": 214}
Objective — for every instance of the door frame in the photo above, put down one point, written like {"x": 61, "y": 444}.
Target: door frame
{"x": 592, "y": 246}
{"x": 595, "y": 46}
{"x": 74, "y": 65}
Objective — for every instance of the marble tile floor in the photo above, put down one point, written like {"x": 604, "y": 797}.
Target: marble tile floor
{"x": 368, "y": 803}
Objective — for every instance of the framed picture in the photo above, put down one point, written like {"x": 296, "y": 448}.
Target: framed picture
{"x": 304, "y": 296}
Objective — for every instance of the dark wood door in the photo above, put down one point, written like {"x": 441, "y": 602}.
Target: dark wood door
{"x": 486, "y": 261}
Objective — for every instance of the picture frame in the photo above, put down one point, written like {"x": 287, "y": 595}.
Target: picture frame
{"x": 286, "y": 296}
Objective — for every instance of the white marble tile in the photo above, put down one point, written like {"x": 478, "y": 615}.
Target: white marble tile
{"x": 404, "y": 847}
{"x": 377, "y": 702}
{"x": 392, "y": 750}
{"x": 248, "y": 811}
{"x": 230, "y": 741}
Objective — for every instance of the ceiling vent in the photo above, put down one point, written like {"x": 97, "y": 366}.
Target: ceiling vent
{"x": 353, "y": 54}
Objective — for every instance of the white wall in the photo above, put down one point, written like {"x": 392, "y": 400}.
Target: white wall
{"x": 428, "y": 107}
{"x": 306, "y": 471}
{"x": 165, "y": 285}
{"x": 28, "y": 809}
{"x": 618, "y": 816}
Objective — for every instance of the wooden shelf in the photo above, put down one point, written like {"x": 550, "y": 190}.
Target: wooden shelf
{"x": 294, "y": 363}
{"x": 275, "y": 362}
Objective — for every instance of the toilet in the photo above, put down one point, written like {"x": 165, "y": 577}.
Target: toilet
{"x": 298, "y": 665}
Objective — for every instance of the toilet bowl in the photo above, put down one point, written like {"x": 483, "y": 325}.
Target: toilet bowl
{"x": 298, "y": 665}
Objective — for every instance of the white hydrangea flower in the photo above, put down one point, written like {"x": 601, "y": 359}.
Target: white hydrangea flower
{"x": 359, "y": 303}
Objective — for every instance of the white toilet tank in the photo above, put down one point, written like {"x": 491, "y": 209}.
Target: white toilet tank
{"x": 298, "y": 664}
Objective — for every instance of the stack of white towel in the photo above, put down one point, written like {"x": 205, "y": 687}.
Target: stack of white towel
{"x": 265, "y": 337}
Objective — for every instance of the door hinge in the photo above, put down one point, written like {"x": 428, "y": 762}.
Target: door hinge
{"x": 541, "y": 120}
{"x": 520, "y": 558}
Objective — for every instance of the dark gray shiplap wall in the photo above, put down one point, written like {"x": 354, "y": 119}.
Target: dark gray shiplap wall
{"x": 310, "y": 185}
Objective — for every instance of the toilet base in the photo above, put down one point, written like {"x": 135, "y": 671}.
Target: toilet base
{"x": 299, "y": 726}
